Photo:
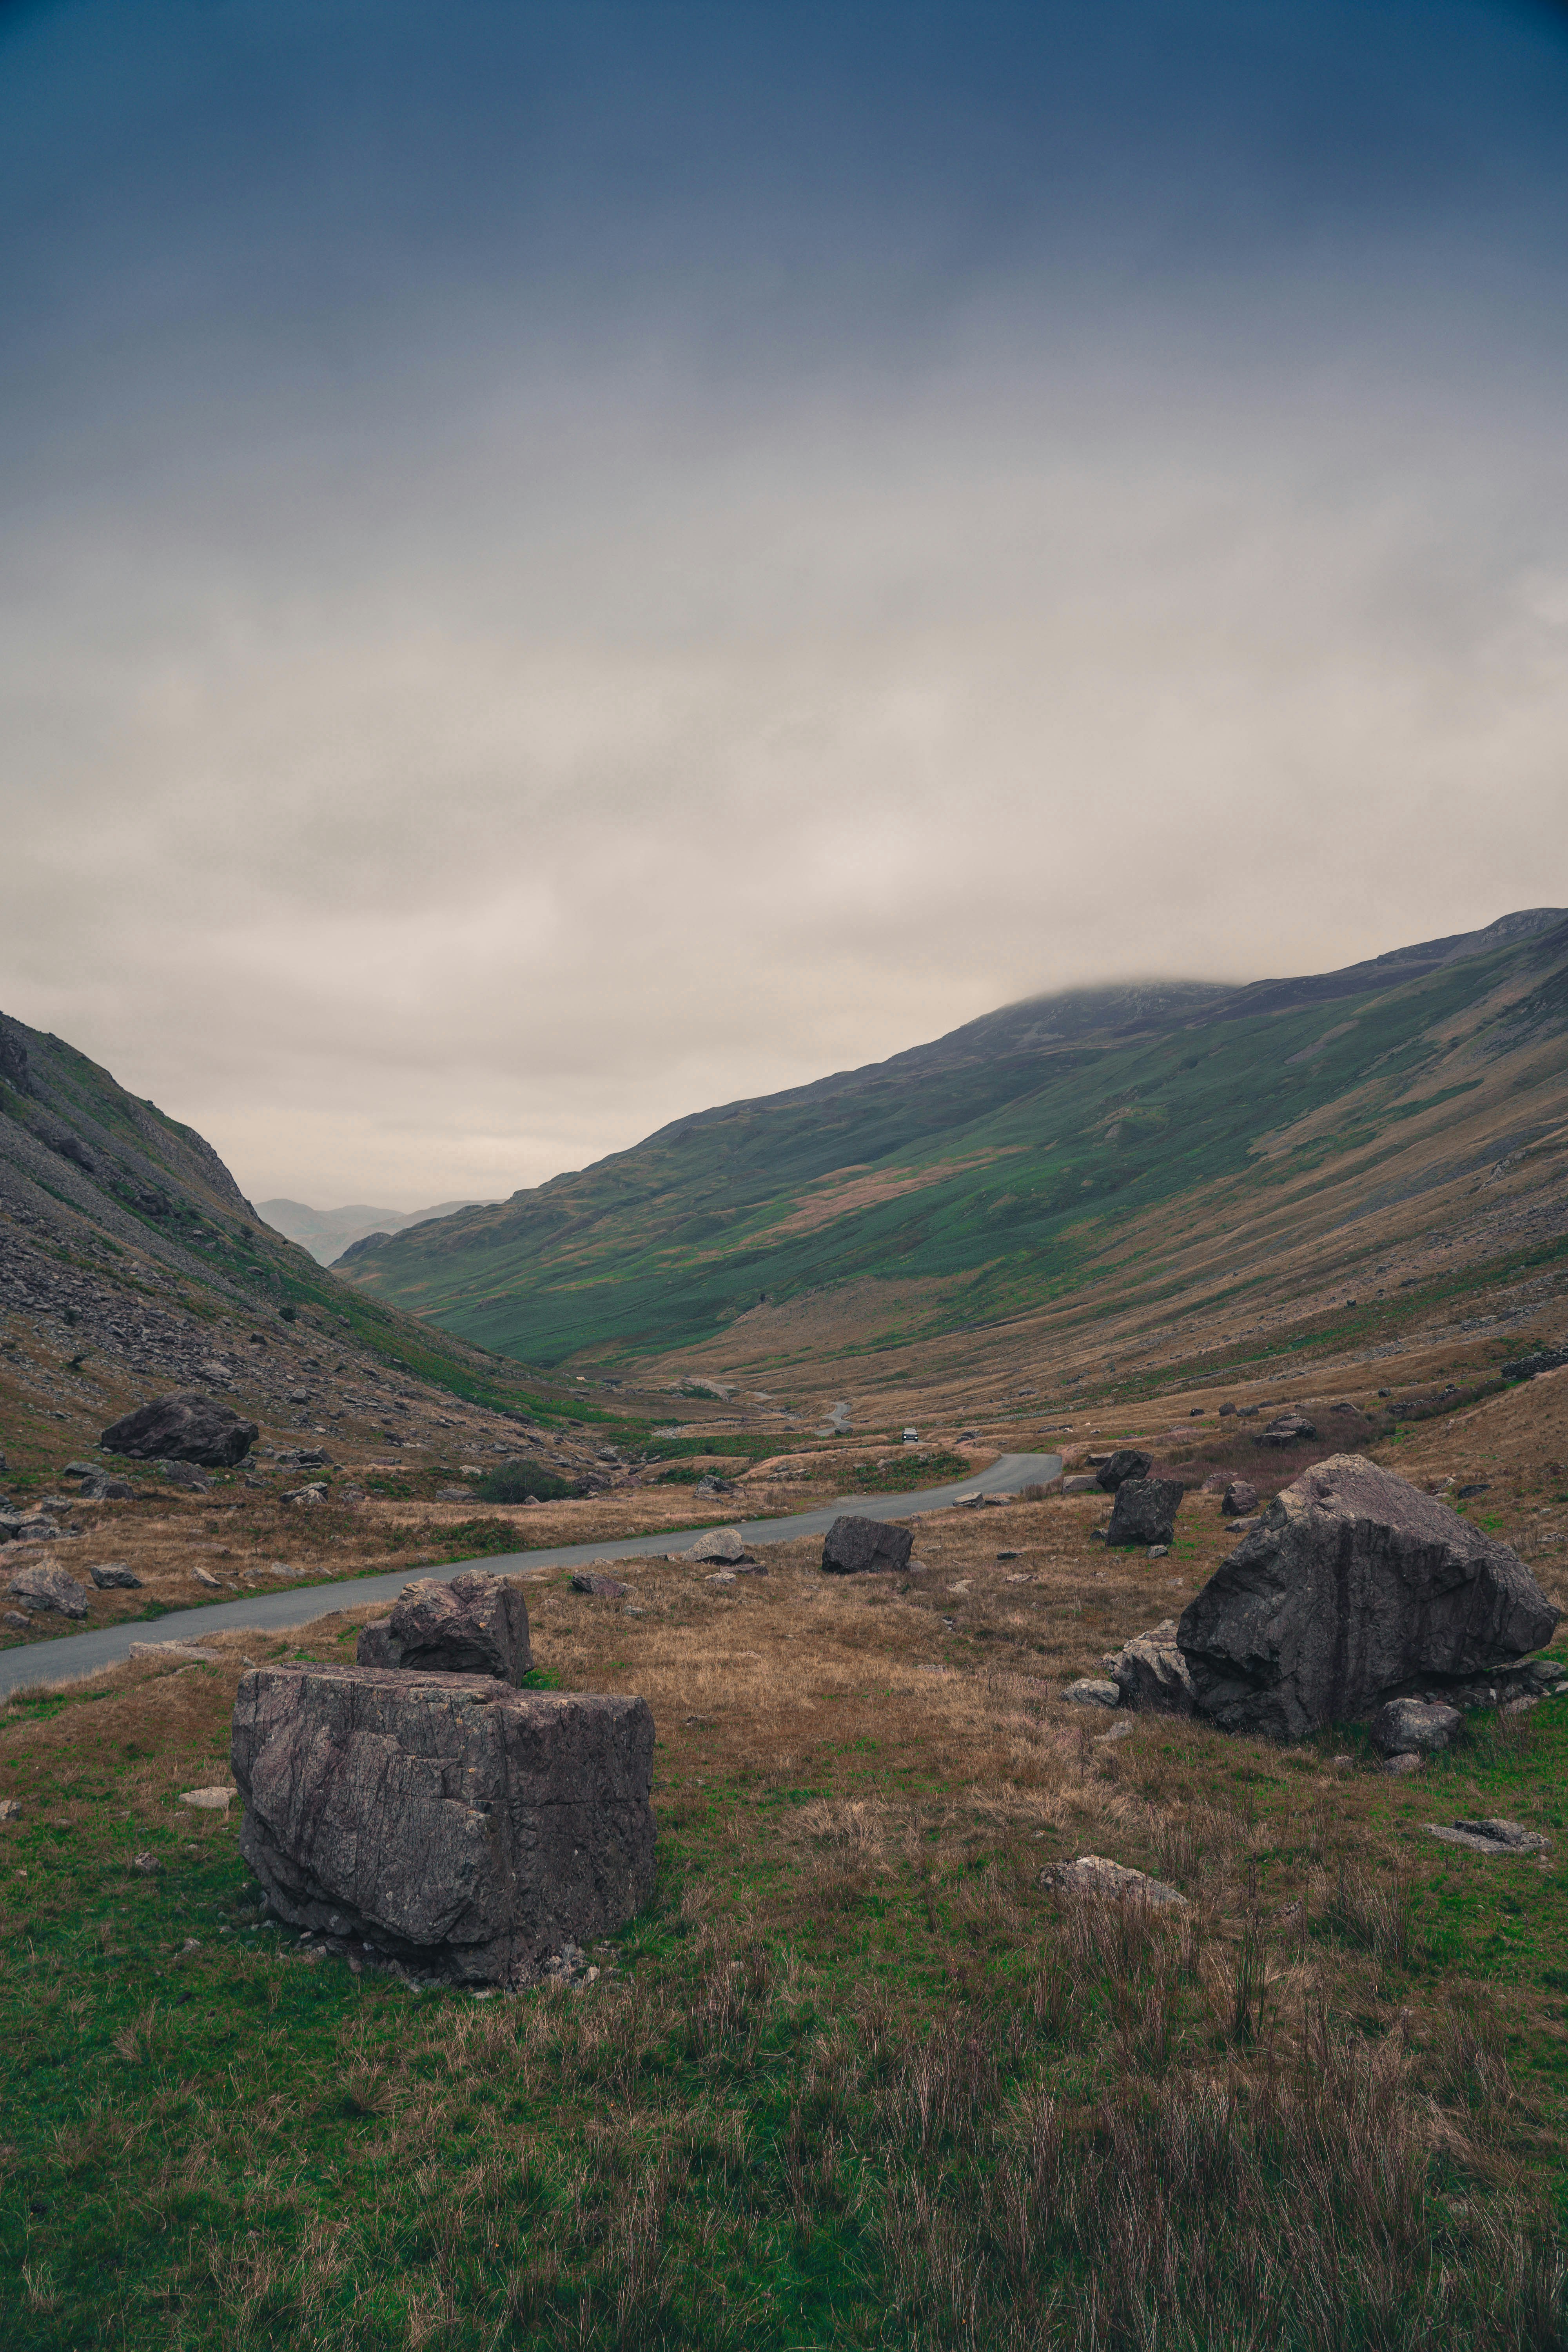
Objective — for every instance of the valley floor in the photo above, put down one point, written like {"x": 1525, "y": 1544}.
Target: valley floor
{"x": 857, "y": 2077}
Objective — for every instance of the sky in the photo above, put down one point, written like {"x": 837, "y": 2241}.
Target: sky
{"x": 560, "y": 564}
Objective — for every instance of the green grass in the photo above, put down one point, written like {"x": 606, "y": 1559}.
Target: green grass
{"x": 660, "y": 1246}
{"x": 820, "y": 2097}
{"x": 906, "y": 1474}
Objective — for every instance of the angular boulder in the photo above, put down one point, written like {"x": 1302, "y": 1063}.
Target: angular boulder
{"x": 1287, "y": 1429}
{"x": 43, "y": 1589}
{"x": 853, "y": 1545}
{"x": 601, "y": 1588}
{"x": 187, "y": 1427}
{"x": 1127, "y": 1462}
{"x": 1093, "y": 1876}
{"x": 1353, "y": 1588}
{"x": 460, "y": 1826}
{"x": 1151, "y": 1675}
{"x": 1415, "y": 1727}
{"x": 1145, "y": 1511}
{"x": 115, "y": 1576}
{"x": 1239, "y": 1499}
{"x": 475, "y": 1623}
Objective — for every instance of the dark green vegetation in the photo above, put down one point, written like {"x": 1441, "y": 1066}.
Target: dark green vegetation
{"x": 1003, "y": 1165}
{"x": 905, "y": 1473}
{"x": 516, "y": 1481}
{"x": 856, "y": 2079}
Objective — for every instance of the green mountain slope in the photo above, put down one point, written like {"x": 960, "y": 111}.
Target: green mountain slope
{"x": 993, "y": 1168}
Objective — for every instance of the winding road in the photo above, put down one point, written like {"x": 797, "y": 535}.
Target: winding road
{"x": 105, "y": 1646}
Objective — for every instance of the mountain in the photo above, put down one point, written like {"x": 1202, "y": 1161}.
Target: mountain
{"x": 1053, "y": 1154}
{"x": 327, "y": 1233}
{"x": 131, "y": 1263}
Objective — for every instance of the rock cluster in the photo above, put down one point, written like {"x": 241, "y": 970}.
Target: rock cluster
{"x": 1353, "y": 1590}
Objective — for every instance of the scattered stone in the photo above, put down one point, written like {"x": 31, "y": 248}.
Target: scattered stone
{"x": 1287, "y": 1429}
{"x": 207, "y": 1801}
{"x": 186, "y": 1475}
{"x": 723, "y": 1576}
{"x": 186, "y": 1654}
{"x": 1117, "y": 1731}
{"x": 1145, "y": 1511}
{"x": 15, "y": 1617}
{"x": 854, "y": 1545}
{"x": 1082, "y": 1483}
{"x": 475, "y": 1624}
{"x": 1159, "y": 1551}
{"x": 1007, "y": 1555}
{"x": 1090, "y": 1691}
{"x": 602, "y": 1588}
{"x": 1127, "y": 1462}
{"x": 1092, "y": 1874}
{"x": 187, "y": 1427}
{"x": 1225, "y": 1411}
{"x": 42, "y": 1589}
{"x": 1476, "y": 1486}
{"x": 460, "y": 1825}
{"x": 37, "y": 1526}
{"x": 1407, "y": 1760}
{"x": 114, "y": 1576}
{"x": 1415, "y": 1727}
{"x": 100, "y": 1486}
{"x": 10, "y": 1809}
{"x": 149, "y": 1865}
{"x": 213, "y": 1583}
{"x": 721, "y": 1545}
{"x": 1353, "y": 1585}
{"x": 1239, "y": 1499}
{"x": 282, "y": 1568}
{"x": 307, "y": 1496}
{"x": 1489, "y": 1836}
{"x": 1151, "y": 1675}
{"x": 454, "y": 1495}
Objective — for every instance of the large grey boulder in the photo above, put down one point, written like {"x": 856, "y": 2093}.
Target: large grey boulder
{"x": 1127, "y": 1462}
{"x": 462, "y": 1827}
{"x": 44, "y": 1588}
{"x": 1145, "y": 1511}
{"x": 187, "y": 1427}
{"x": 853, "y": 1545}
{"x": 476, "y": 1623}
{"x": 1354, "y": 1587}
{"x": 1151, "y": 1675}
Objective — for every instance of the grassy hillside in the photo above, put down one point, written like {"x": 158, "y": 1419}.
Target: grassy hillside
{"x": 1008, "y": 1166}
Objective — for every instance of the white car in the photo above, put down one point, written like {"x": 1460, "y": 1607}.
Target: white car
{"x": 911, "y": 1437}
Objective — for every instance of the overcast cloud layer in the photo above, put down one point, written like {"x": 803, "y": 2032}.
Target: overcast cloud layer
{"x": 565, "y": 564}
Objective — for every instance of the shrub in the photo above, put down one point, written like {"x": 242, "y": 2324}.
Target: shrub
{"x": 514, "y": 1482}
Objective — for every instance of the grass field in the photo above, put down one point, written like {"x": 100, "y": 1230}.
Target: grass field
{"x": 857, "y": 2077}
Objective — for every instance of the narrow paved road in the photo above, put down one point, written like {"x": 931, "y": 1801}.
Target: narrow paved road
{"x": 85, "y": 1653}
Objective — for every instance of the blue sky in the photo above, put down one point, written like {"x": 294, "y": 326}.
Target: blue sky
{"x": 563, "y": 564}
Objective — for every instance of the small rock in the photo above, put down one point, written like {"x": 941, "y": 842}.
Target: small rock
{"x": 723, "y": 1576}
{"x": 207, "y": 1801}
{"x": 1151, "y": 1675}
{"x": 307, "y": 1496}
{"x": 1090, "y": 1691}
{"x": 43, "y": 1589}
{"x": 114, "y": 1576}
{"x": 1117, "y": 1731}
{"x": 1159, "y": 1551}
{"x": 1082, "y": 1483}
{"x": 213, "y": 1583}
{"x": 1239, "y": 1499}
{"x": 603, "y": 1588}
{"x": 1092, "y": 1874}
{"x": 454, "y": 1494}
{"x": 1415, "y": 1727}
{"x": 1489, "y": 1836}
{"x": 15, "y": 1617}
{"x": 1007, "y": 1555}
{"x": 1127, "y": 1462}
{"x": 1406, "y": 1762}
{"x": 1476, "y": 1486}
{"x": 186, "y": 1475}
{"x": 147, "y": 1864}
{"x": 1287, "y": 1429}
{"x": 720, "y": 1545}
{"x": 10, "y": 1809}
{"x": 1225, "y": 1409}
{"x": 100, "y": 1486}
{"x": 184, "y": 1654}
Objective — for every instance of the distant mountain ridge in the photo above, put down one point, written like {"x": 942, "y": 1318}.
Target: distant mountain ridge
{"x": 992, "y": 1167}
{"x": 327, "y": 1233}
